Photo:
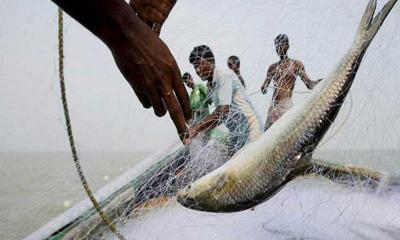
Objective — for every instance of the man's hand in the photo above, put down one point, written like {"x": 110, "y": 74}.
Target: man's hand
{"x": 149, "y": 67}
{"x": 141, "y": 56}
{"x": 153, "y": 12}
{"x": 190, "y": 135}
{"x": 314, "y": 83}
{"x": 264, "y": 90}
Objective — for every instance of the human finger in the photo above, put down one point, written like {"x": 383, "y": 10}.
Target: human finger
{"x": 161, "y": 5}
{"x": 159, "y": 10}
{"x": 152, "y": 15}
{"x": 140, "y": 10}
{"x": 143, "y": 99}
{"x": 153, "y": 11}
{"x": 186, "y": 141}
{"x": 182, "y": 95}
{"x": 176, "y": 114}
{"x": 156, "y": 101}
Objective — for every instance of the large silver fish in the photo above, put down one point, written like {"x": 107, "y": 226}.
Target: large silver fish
{"x": 261, "y": 168}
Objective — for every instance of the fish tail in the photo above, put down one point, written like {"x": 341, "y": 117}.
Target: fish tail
{"x": 369, "y": 24}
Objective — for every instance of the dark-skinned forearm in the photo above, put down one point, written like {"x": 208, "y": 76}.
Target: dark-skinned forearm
{"x": 107, "y": 19}
{"x": 311, "y": 84}
{"x": 265, "y": 85}
{"x": 212, "y": 120}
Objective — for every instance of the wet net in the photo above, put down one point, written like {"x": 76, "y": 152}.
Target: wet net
{"x": 349, "y": 192}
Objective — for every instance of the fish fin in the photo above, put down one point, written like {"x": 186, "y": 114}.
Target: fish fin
{"x": 367, "y": 17}
{"x": 369, "y": 24}
{"x": 380, "y": 18}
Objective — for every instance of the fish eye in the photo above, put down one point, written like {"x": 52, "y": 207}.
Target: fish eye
{"x": 188, "y": 187}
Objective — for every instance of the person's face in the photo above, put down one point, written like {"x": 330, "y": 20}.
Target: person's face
{"x": 189, "y": 83}
{"x": 203, "y": 68}
{"x": 233, "y": 66}
{"x": 282, "y": 48}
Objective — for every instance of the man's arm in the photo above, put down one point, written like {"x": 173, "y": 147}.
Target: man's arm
{"x": 143, "y": 59}
{"x": 107, "y": 20}
{"x": 268, "y": 79}
{"x": 211, "y": 121}
{"x": 301, "y": 71}
{"x": 223, "y": 101}
{"x": 241, "y": 79}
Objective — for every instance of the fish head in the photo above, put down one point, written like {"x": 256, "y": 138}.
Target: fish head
{"x": 205, "y": 193}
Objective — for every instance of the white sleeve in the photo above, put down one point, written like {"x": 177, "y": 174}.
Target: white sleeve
{"x": 224, "y": 94}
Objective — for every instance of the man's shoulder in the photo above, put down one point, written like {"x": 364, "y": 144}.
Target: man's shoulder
{"x": 224, "y": 72}
{"x": 296, "y": 62}
{"x": 273, "y": 66}
{"x": 224, "y": 75}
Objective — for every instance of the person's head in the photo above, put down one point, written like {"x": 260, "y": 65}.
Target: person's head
{"x": 202, "y": 59}
{"x": 282, "y": 44}
{"x": 187, "y": 79}
{"x": 234, "y": 63}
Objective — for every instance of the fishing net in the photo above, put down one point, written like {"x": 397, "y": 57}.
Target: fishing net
{"x": 360, "y": 204}
{"x": 152, "y": 212}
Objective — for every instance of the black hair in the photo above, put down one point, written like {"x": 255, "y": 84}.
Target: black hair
{"x": 202, "y": 51}
{"x": 186, "y": 76}
{"x": 234, "y": 59}
{"x": 282, "y": 39}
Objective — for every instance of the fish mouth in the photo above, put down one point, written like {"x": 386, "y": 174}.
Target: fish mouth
{"x": 187, "y": 201}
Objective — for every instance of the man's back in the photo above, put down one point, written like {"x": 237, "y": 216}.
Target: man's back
{"x": 242, "y": 118}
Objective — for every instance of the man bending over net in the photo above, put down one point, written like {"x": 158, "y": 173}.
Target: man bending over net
{"x": 232, "y": 105}
{"x": 284, "y": 74}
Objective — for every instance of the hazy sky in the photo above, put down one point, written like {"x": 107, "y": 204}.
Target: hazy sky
{"x": 107, "y": 116}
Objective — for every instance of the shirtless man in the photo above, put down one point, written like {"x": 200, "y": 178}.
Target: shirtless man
{"x": 234, "y": 65}
{"x": 284, "y": 74}
{"x": 141, "y": 56}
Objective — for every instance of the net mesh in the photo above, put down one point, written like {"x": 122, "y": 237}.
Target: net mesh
{"x": 148, "y": 208}
{"x": 365, "y": 135}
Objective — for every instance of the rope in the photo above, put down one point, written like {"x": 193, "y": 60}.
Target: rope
{"x": 85, "y": 184}
{"x": 273, "y": 87}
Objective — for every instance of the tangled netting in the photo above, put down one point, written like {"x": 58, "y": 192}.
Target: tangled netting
{"x": 309, "y": 207}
